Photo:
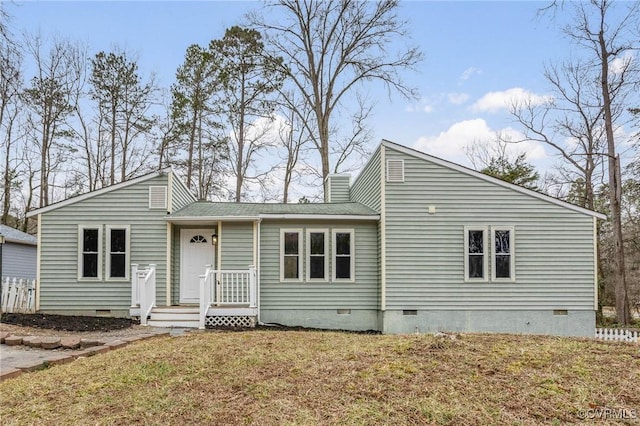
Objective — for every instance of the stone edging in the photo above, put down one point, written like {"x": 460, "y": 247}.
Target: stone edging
{"x": 77, "y": 348}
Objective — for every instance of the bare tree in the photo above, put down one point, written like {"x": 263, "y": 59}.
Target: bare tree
{"x": 293, "y": 138}
{"x": 250, "y": 81}
{"x": 609, "y": 40}
{"x": 570, "y": 124}
{"x": 193, "y": 125}
{"x": 330, "y": 49}
{"x": 124, "y": 100}
{"x": 10, "y": 87}
{"x": 50, "y": 99}
{"x": 609, "y": 70}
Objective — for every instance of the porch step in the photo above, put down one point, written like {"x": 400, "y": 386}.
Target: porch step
{"x": 175, "y": 316}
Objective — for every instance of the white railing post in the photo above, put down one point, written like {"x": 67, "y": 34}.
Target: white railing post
{"x": 252, "y": 286}
{"x": 147, "y": 284}
{"x": 135, "y": 289}
{"x": 218, "y": 277}
{"x": 205, "y": 296}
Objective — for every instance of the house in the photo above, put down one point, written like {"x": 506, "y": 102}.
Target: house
{"x": 18, "y": 254}
{"x": 414, "y": 244}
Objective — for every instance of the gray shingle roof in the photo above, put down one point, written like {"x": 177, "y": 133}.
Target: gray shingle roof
{"x": 12, "y": 235}
{"x": 210, "y": 209}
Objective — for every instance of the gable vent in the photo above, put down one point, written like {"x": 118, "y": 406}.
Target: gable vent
{"x": 395, "y": 170}
{"x": 157, "y": 197}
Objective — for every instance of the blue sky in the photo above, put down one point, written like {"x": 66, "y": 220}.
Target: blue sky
{"x": 478, "y": 56}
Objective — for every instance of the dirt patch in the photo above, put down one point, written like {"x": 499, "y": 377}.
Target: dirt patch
{"x": 66, "y": 322}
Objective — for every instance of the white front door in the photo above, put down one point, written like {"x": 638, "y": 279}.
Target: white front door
{"x": 196, "y": 251}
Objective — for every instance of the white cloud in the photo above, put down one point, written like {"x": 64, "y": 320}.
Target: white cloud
{"x": 450, "y": 144}
{"x": 495, "y": 101}
{"x": 469, "y": 72}
{"x": 457, "y": 98}
{"x": 423, "y": 105}
{"x": 621, "y": 64}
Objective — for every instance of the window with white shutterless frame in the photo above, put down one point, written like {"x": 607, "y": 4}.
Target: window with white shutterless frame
{"x": 317, "y": 252}
{"x": 503, "y": 253}
{"x": 117, "y": 259}
{"x": 476, "y": 256}
{"x": 89, "y": 252}
{"x": 343, "y": 254}
{"x": 291, "y": 254}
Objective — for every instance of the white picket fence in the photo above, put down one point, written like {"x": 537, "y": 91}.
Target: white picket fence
{"x": 617, "y": 334}
{"x": 18, "y": 295}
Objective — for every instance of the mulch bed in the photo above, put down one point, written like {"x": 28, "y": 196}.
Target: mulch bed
{"x": 66, "y": 322}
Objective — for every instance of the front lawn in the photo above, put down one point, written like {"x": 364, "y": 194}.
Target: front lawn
{"x": 304, "y": 377}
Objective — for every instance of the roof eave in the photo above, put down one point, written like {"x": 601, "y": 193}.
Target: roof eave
{"x": 97, "y": 192}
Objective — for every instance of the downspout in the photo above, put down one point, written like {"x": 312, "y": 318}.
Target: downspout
{"x": 38, "y": 259}
{"x": 383, "y": 237}
{"x": 169, "y": 238}
{"x": 256, "y": 227}
{"x": 595, "y": 263}
{"x": 168, "y": 264}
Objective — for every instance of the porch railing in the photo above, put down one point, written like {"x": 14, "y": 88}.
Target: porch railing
{"x": 227, "y": 288}
{"x": 143, "y": 284}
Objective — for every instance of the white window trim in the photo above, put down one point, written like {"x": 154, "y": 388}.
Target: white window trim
{"x": 326, "y": 254}
{"x": 300, "y": 254}
{"x": 512, "y": 253}
{"x": 80, "y": 265}
{"x": 352, "y": 239}
{"x": 127, "y": 261}
{"x": 388, "y": 179}
{"x": 166, "y": 199}
{"x": 485, "y": 245}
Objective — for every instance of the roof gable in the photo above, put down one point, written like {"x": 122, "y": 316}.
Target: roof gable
{"x": 462, "y": 169}
{"x": 97, "y": 192}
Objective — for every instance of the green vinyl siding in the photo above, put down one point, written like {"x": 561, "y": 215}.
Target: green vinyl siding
{"x": 237, "y": 245}
{"x": 236, "y": 240}
{"x": 554, "y": 263}
{"x": 60, "y": 289}
{"x": 339, "y": 188}
{"x": 363, "y": 293}
{"x": 366, "y": 189}
{"x": 180, "y": 195}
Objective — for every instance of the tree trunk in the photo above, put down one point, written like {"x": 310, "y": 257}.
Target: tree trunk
{"x": 7, "y": 178}
{"x": 192, "y": 138}
{"x": 324, "y": 155}
{"x": 113, "y": 144}
{"x": 623, "y": 314}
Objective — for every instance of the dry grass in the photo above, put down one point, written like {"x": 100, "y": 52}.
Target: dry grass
{"x": 297, "y": 377}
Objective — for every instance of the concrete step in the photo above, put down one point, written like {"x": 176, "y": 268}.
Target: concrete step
{"x": 176, "y": 310}
{"x": 174, "y": 323}
{"x": 166, "y": 316}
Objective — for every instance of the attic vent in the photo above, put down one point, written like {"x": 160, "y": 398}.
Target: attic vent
{"x": 395, "y": 170}
{"x": 157, "y": 197}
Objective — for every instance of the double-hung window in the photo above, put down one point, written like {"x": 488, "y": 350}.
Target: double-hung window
{"x": 475, "y": 253}
{"x": 343, "y": 264}
{"x": 89, "y": 252}
{"x": 503, "y": 262}
{"x": 117, "y": 260}
{"x": 317, "y": 251}
{"x": 290, "y": 255}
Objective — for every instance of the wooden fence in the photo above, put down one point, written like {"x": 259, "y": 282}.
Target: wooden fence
{"x": 18, "y": 295}
{"x": 617, "y": 334}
